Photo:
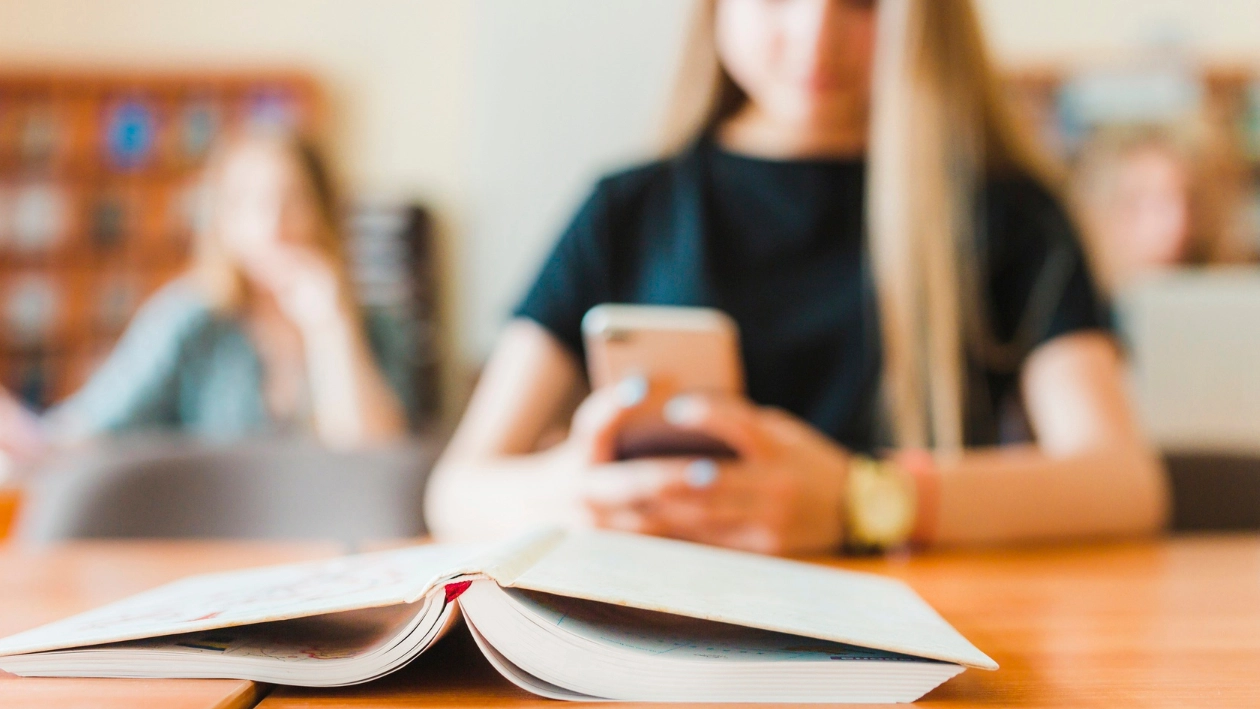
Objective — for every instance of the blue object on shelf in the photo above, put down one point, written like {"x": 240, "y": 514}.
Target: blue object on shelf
{"x": 130, "y": 133}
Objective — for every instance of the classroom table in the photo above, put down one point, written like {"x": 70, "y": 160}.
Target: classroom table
{"x": 45, "y": 584}
{"x": 1172, "y": 622}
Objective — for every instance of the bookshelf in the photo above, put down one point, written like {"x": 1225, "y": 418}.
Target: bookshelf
{"x": 1065, "y": 104}
{"x": 98, "y": 202}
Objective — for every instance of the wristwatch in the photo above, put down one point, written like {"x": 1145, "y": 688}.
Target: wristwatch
{"x": 880, "y": 505}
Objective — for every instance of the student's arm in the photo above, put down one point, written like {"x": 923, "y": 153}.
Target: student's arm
{"x": 352, "y": 402}
{"x": 1090, "y": 474}
{"x": 490, "y": 481}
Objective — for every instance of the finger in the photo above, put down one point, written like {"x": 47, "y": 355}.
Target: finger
{"x": 634, "y": 483}
{"x": 623, "y": 520}
{"x": 601, "y": 415}
{"x": 696, "y": 516}
{"x": 734, "y": 421}
{"x": 753, "y": 538}
{"x": 720, "y": 491}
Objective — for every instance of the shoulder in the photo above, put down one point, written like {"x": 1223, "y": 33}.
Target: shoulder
{"x": 635, "y": 188}
{"x": 633, "y": 181}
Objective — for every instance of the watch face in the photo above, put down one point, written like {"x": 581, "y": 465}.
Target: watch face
{"x": 882, "y": 505}
{"x": 889, "y": 512}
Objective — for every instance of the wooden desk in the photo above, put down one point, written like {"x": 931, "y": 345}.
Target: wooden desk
{"x": 38, "y": 586}
{"x": 1170, "y": 624}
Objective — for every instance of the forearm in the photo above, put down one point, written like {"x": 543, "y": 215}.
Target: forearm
{"x": 1021, "y": 494}
{"x": 352, "y": 402}
{"x": 470, "y": 499}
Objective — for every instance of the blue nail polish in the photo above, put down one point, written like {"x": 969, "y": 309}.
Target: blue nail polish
{"x": 632, "y": 390}
{"x": 701, "y": 473}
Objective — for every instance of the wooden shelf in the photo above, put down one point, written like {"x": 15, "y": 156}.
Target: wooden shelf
{"x": 96, "y": 169}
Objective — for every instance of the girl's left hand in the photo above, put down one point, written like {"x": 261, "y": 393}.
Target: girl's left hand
{"x": 784, "y": 494}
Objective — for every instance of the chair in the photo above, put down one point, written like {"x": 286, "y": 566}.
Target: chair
{"x": 258, "y": 489}
{"x": 1214, "y": 491}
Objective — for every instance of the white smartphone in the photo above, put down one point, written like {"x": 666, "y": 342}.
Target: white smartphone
{"x": 683, "y": 349}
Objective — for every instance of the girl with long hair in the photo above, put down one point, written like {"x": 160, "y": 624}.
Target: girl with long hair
{"x": 262, "y": 335}
{"x": 843, "y": 179}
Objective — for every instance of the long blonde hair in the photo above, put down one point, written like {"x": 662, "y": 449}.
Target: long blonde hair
{"x": 214, "y": 268}
{"x": 938, "y": 125}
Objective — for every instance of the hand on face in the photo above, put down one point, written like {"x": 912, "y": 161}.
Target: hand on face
{"x": 783, "y": 494}
{"x": 269, "y": 219}
{"x": 304, "y": 284}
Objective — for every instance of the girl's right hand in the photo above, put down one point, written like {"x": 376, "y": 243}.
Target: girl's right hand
{"x": 591, "y": 446}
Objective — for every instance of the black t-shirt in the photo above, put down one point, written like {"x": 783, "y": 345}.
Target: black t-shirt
{"x": 778, "y": 245}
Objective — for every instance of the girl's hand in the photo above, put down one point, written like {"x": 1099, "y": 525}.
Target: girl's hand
{"x": 306, "y": 287}
{"x": 784, "y": 494}
{"x": 568, "y": 468}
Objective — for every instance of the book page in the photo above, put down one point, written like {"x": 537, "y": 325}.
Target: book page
{"x": 750, "y": 590}
{"x": 346, "y": 635}
{"x": 685, "y": 638}
{"x": 234, "y": 598}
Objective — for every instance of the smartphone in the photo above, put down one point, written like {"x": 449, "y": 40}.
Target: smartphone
{"x": 682, "y": 349}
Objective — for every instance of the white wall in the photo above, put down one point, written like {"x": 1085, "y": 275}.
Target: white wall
{"x": 564, "y": 89}
{"x": 501, "y": 112}
{"x": 396, "y": 70}
{"x": 1031, "y": 30}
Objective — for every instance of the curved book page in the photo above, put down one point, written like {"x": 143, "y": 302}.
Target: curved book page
{"x": 571, "y": 649}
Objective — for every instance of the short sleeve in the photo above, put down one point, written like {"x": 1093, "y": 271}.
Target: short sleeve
{"x": 137, "y": 386}
{"x": 575, "y": 276}
{"x": 1041, "y": 285}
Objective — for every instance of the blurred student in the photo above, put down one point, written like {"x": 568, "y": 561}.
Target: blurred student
{"x": 262, "y": 335}
{"x": 830, "y": 157}
{"x": 1152, "y": 198}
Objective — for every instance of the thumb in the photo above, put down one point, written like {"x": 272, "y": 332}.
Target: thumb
{"x": 600, "y": 417}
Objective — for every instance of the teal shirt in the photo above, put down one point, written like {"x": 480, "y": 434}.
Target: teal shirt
{"x": 183, "y": 366}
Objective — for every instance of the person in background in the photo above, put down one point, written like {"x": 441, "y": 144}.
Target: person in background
{"x": 1155, "y": 197}
{"x": 262, "y": 335}
{"x": 830, "y": 156}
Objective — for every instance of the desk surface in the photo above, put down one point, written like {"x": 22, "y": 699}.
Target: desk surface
{"x": 1171, "y": 623}
{"x": 38, "y": 586}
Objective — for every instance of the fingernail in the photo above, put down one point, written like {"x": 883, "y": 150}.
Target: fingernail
{"x": 684, "y": 410}
{"x": 632, "y": 390}
{"x": 700, "y": 474}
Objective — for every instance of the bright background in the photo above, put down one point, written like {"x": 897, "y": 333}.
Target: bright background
{"x": 499, "y": 113}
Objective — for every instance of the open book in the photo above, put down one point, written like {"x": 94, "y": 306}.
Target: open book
{"x": 567, "y": 615}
